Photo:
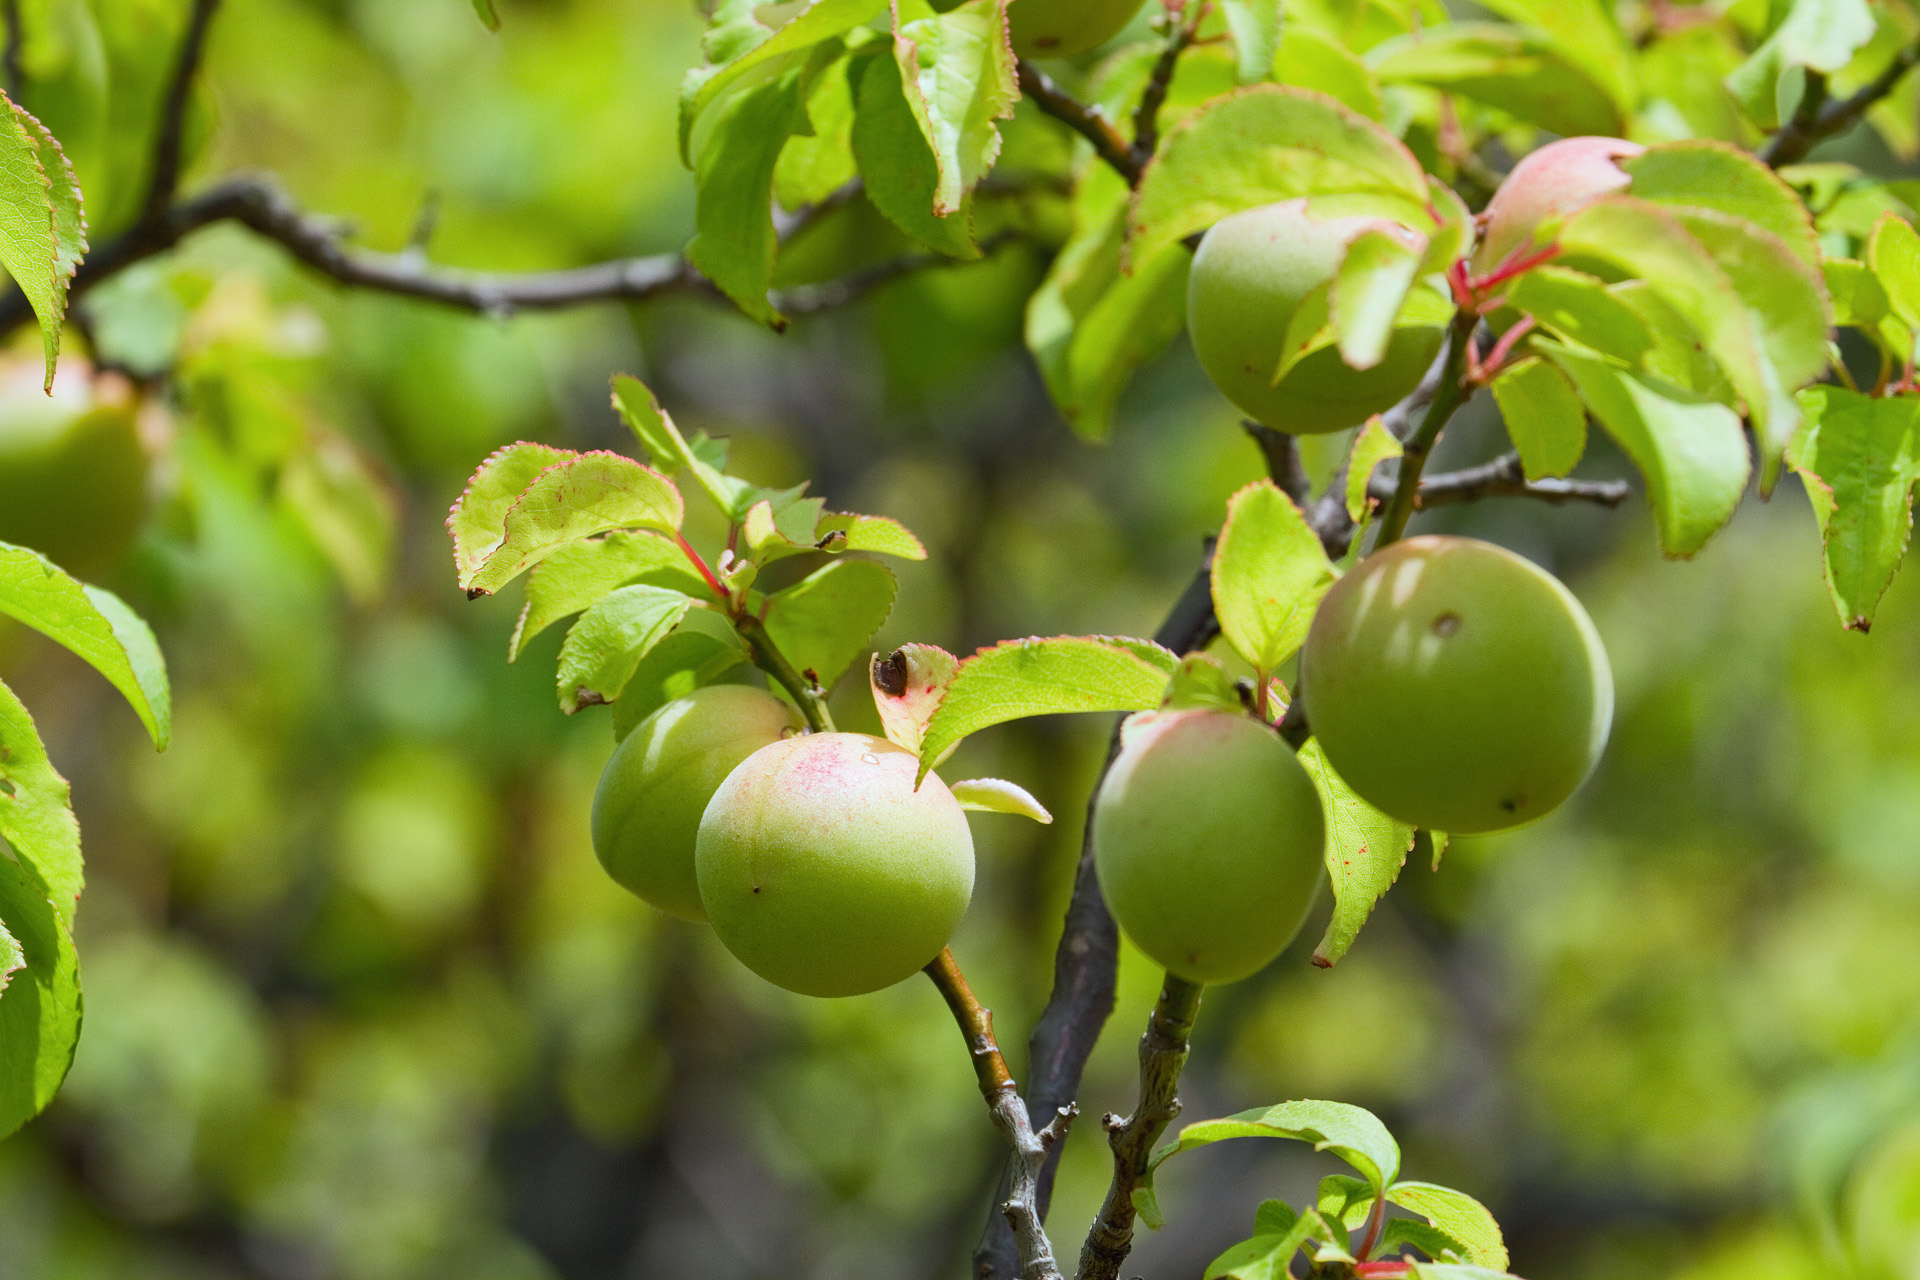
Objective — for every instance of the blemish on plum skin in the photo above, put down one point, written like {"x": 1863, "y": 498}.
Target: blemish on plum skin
{"x": 1446, "y": 624}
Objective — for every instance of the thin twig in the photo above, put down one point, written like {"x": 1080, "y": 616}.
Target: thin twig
{"x": 806, "y": 691}
{"x": 164, "y": 179}
{"x": 1163, "y": 1051}
{"x": 1281, "y": 450}
{"x": 1029, "y": 1147}
{"x": 1505, "y": 477}
{"x": 1824, "y": 118}
{"x": 1087, "y": 121}
{"x": 1183, "y": 25}
{"x": 1449, "y": 396}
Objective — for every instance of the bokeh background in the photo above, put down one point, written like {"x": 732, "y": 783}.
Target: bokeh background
{"x": 362, "y": 1006}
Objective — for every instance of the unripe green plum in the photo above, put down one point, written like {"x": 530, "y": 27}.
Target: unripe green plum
{"x": 1456, "y": 686}
{"x": 1252, "y": 272}
{"x": 73, "y": 473}
{"x": 1554, "y": 182}
{"x": 1209, "y": 841}
{"x": 1066, "y": 28}
{"x": 646, "y": 812}
{"x": 825, "y": 872}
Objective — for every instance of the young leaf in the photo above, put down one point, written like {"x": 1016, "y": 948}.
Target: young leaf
{"x": 1263, "y": 144}
{"x": 1584, "y": 32}
{"x": 1893, "y": 251}
{"x": 1045, "y": 676}
{"x": 575, "y": 576}
{"x": 1544, "y": 417}
{"x": 1860, "y": 457}
{"x": 487, "y": 14}
{"x": 1460, "y": 1216}
{"x": 997, "y": 795}
{"x": 907, "y": 687}
{"x": 669, "y": 450}
{"x": 572, "y": 500}
{"x": 1424, "y": 1236}
{"x": 1345, "y": 1200}
{"x": 1267, "y": 1255}
{"x": 1455, "y": 1271}
{"x": 823, "y": 622}
{"x": 95, "y": 624}
{"x": 1365, "y": 851}
{"x": 1369, "y": 291}
{"x": 957, "y": 71}
{"x": 1709, "y": 174}
{"x": 1507, "y": 68}
{"x": 477, "y": 522}
{"x": 1816, "y": 35}
{"x": 699, "y": 651}
{"x": 1859, "y": 299}
{"x": 1201, "y": 681}
{"x": 39, "y": 995}
{"x": 36, "y": 812}
{"x": 813, "y": 167}
{"x": 1269, "y": 572}
{"x": 1579, "y": 308}
{"x": 1310, "y": 59}
{"x": 1353, "y": 1134}
{"x": 881, "y": 535}
{"x": 603, "y": 649}
{"x": 30, "y": 241}
{"x": 1255, "y": 27}
{"x": 821, "y": 20}
{"x": 1374, "y": 445}
{"x": 1694, "y": 456}
{"x": 901, "y": 174}
{"x": 735, "y": 239}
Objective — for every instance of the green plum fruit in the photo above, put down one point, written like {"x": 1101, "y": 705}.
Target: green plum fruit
{"x": 646, "y": 812}
{"x": 1066, "y": 28}
{"x": 1546, "y": 187}
{"x": 1456, "y": 686}
{"x": 1253, "y": 271}
{"x": 1209, "y": 841}
{"x": 826, "y": 872}
{"x": 73, "y": 471}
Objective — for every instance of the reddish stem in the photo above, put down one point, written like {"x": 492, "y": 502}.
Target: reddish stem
{"x": 1504, "y": 348}
{"x": 701, "y": 565}
{"x": 1515, "y": 264}
{"x": 1394, "y": 1267}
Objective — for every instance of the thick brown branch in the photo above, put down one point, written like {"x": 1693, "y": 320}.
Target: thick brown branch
{"x": 1820, "y": 118}
{"x": 1087, "y": 121}
{"x": 1504, "y": 477}
{"x": 1281, "y": 450}
{"x": 1163, "y": 1052}
{"x": 164, "y": 179}
{"x": 1010, "y": 1115}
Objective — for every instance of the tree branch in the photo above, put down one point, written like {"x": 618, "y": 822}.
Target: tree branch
{"x": 1451, "y": 393}
{"x": 1504, "y": 477}
{"x": 1818, "y": 118}
{"x": 1182, "y": 26}
{"x": 1163, "y": 1051}
{"x": 1282, "y": 453}
{"x": 164, "y": 178}
{"x": 1087, "y": 121}
{"x": 1030, "y": 1148}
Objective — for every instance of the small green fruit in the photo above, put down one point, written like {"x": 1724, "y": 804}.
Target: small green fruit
{"x": 1066, "y": 28}
{"x": 1456, "y": 686}
{"x": 73, "y": 473}
{"x": 646, "y": 812}
{"x": 825, "y": 872}
{"x": 1252, "y": 273}
{"x": 1550, "y": 184}
{"x": 1209, "y": 841}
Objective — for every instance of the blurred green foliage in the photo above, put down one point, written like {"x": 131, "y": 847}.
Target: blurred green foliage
{"x": 361, "y": 1004}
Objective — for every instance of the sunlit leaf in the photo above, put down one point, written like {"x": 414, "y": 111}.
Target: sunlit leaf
{"x": 1460, "y": 1216}
{"x": 1579, "y": 308}
{"x": 577, "y": 575}
{"x": 95, "y": 624}
{"x": 881, "y": 535}
{"x": 1374, "y": 445}
{"x": 1715, "y": 175}
{"x": 1585, "y": 33}
{"x": 997, "y": 795}
{"x": 693, "y": 655}
{"x": 1353, "y": 1134}
{"x": 907, "y": 686}
{"x": 1266, "y": 1256}
{"x": 957, "y": 71}
{"x": 33, "y": 249}
{"x": 1816, "y": 35}
{"x": 820, "y": 20}
{"x": 1365, "y": 851}
{"x": 823, "y": 622}
{"x": 1269, "y": 572}
{"x": 604, "y": 648}
{"x": 735, "y": 240}
{"x": 1860, "y": 457}
{"x": 477, "y": 522}
{"x": 1893, "y": 252}
{"x": 1508, "y": 68}
{"x": 671, "y": 452}
{"x": 488, "y": 14}
{"x": 1202, "y": 681}
{"x": 1310, "y": 59}
{"x": 1544, "y": 417}
{"x": 1255, "y": 26}
{"x": 1369, "y": 291}
{"x": 40, "y": 1002}
{"x": 898, "y": 166}
{"x": 572, "y": 500}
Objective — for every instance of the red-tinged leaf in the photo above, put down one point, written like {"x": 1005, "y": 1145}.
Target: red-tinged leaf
{"x": 478, "y": 518}
{"x": 907, "y": 687}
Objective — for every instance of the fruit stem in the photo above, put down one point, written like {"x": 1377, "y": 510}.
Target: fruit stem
{"x": 1454, "y": 391}
{"x": 810, "y": 697}
{"x": 1163, "y": 1052}
{"x": 1010, "y": 1116}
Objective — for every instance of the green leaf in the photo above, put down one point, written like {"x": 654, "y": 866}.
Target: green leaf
{"x": 823, "y": 622}
{"x": 735, "y": 240}
{"x": 477, "y": 522}
{"x": 907, "y": 686}
{"x": 901, "y": 173}
{"x": 603, "y": 649}
{"x": 31, "y": 247}
{"x": 699, "y": 651}
{"x": 1202, "y": 681}
{"x": 1893, "y": 251}
{"x": 1267, "y": 1255}
{"x": 1455, "y": 1271}
{"x": 1544, "y": 417}
{"x": 1510, "y": 69}
{"x": 1039, "y": 676}
{"x": 957, "y": 71}
{"x": 1860, "y": 458}
{"x": 1369, "y": 291}
{"x": 1365, "y": 851}
{"x": 814, "y": 166}
{"x": 1709, "y": 174}
{"x": 1584, "y": 32}
{"x": 1859, "y": 299}
{"x": 1579, "y": 308}
{"x": 997, "y": 795}
{"x": 1309, "y": 59}
{"x": 1460, "y": 1216}
{"x": 1353, "y": 1134}
{"x": 572, "y": 500}
{"x": 819, "y": 21}
{"x": 669, "y": 451}
{"x": 1263, "y": 144}
{"x": 39, "y": 994}
{"x": 347, "y": 508}
{"x": 1269, "y": 572}
{"x": 844, "y": 531}
{"x": 95, "y": 624}
{"x": 1374, "y": 446}
{"x": 36, "y": 814}
{"x": 1090, "y": 325}
{"x": 1817, "y": 35}
{"x": 1255, "y": 27}
{"x": 488, "y": 14}
{"x": 577, "y": 575}
{"x": 1429, "y": 1239}
{"x": 1694, "y": 456}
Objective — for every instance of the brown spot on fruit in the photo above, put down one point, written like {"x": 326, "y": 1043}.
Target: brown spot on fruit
{"x": 1446, "y": 624}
